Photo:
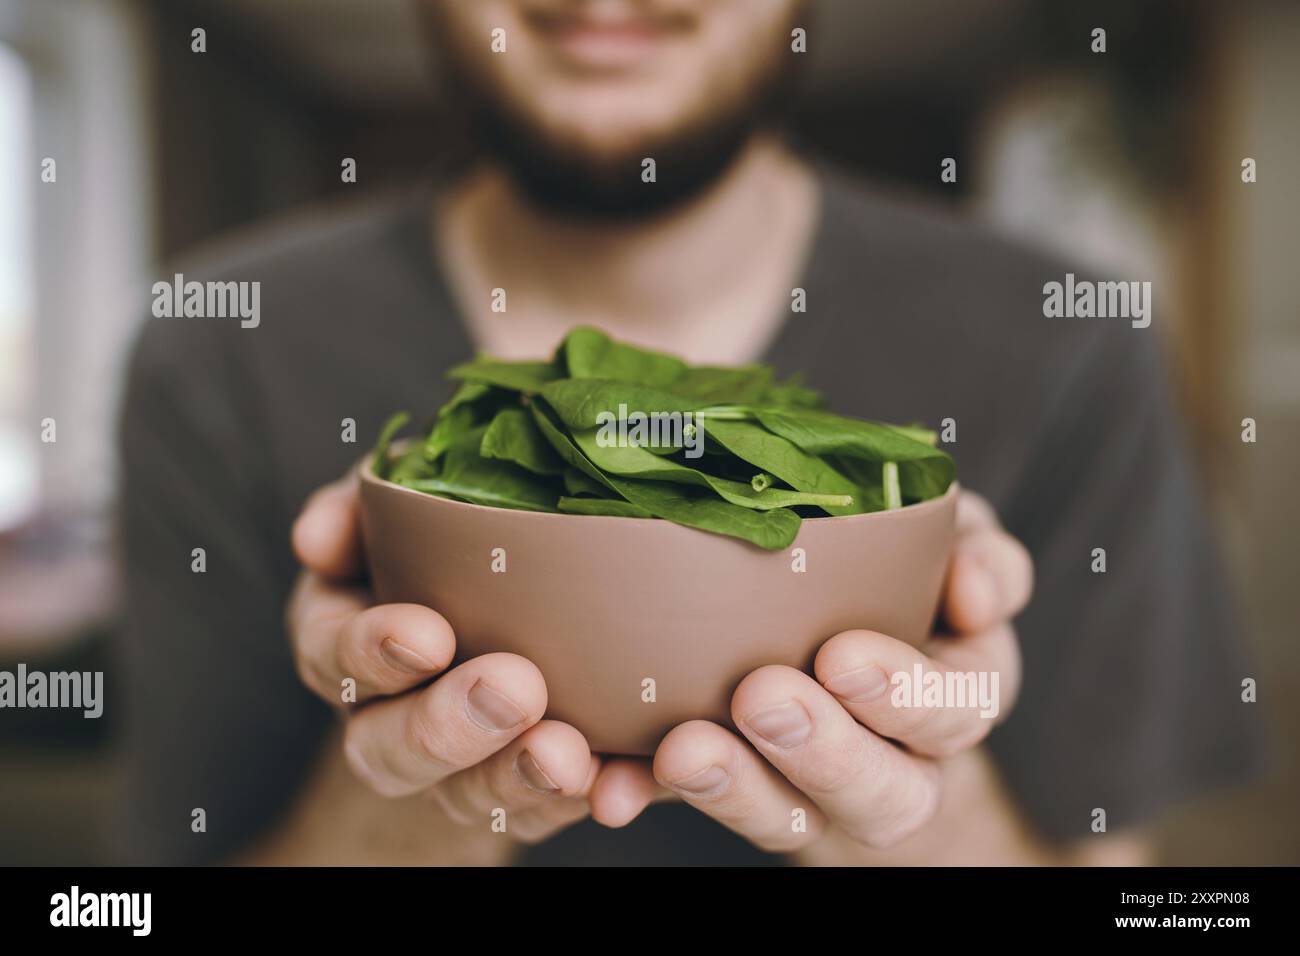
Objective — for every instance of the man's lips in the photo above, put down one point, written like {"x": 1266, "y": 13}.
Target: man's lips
{"x": 604, "y": 41}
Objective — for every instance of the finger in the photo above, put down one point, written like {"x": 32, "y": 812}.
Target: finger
{"x": 872, "y": 790}
{"x": 384, "y": 649}
{"x": 990, "y": 575}
{"x": 720, "y": 775}
{"x": 540, "y": 823}
{"x": 624, "y": 788}
{"x": 889, "y": 687}
{"x": 993, "y": 650}
{"x": 548, "y": 761}
{"x": 403, "y": 745}
{"x": 547, "y": 818}
{"x": 974, "y": 513}
{"x": 326, "y": 536}
{"x": 315, "y": 613}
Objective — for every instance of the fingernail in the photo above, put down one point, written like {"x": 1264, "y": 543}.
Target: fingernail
{"x": 533, "y": 774}
{"x": 859, "y": 686}
{"x": 708, "y": 780}
{"x": 492, "y": 710}
{"x": 785, "y": 726}
{"x": 405, "y": 659}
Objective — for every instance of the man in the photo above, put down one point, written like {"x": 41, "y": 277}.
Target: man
{"x": 1129, "y": 698}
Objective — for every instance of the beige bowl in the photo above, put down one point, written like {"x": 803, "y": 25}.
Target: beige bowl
{"x": 603, "y": 606}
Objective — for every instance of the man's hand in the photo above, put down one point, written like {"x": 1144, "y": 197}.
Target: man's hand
{"x": 864, "y": 773}
{"x": 473, "y": 739}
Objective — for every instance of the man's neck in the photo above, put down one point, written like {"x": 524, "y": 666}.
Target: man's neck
{"x": 711, "y": 280}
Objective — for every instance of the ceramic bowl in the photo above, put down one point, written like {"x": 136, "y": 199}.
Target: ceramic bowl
{"x": 641, "y": 624}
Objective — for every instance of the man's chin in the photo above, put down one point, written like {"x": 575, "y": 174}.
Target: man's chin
{"x": 587, "y": 181}
{"x": 620, "y": 186}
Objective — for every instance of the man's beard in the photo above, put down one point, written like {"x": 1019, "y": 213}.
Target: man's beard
{"x": 562, "y": 175}
{"x": 577, "y": 182}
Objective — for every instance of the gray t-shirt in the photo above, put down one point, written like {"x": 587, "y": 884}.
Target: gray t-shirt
{"x": 1132, "y": 677}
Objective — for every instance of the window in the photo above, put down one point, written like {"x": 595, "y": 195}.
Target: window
{"x": 18, "y": 176}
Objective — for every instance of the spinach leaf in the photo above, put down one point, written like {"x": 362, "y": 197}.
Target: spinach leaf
{"x": 472, "y": 404}
{"x": 412, "y": 464}
{"x": 924, "y": 471}
{"x": 602, "y": 429}
{"x": 513, "y": 436}
{"x": 565, "y": 448}
{"x": 633, "y": 462}
{"x": 497, "y": 492}
{"x": 792, "y": 393}
{"x": 576, "y": 483}
{"x": 918, "y": 433}
{"x": 592, "y": 402}
{"x": 768, "y": 529}
{"x": 449, "y": 426}
{"x": 781, "y": 457}
{"x": 468, "y": 476}
{"x": 465, "y": 394}
{"x": 611, "y": 507}
{"x": 750, "y": 383}
{"x": 379, "y": 459}
{"x": 590, "y": 353}
{"x": 526, "y": 377}
{"x": 772, "y": 530}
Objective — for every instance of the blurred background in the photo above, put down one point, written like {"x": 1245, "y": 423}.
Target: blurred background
{"x": 1133, "y": 156}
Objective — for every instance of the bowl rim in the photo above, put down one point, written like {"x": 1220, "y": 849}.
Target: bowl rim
{"x": 367, "y": 476}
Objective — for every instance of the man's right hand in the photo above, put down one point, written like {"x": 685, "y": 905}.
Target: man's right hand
{"x": 473, "y": 739}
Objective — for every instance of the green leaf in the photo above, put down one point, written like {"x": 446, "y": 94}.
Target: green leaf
{"x": 473, "y": 404}
{"x": 565, "y": 448}
{"x": 749, "y": 383}
{"x": 633, "y": 462}
{"x": 924, "y": 472}
{"x": 412, "y": 464}
{"x": 497, "y": 493}
{"x": 590, "y": 353}
{"x": 451, "y": 424}
{"x": 577, "y": 483}
{"x": 918, "y": 433}
{"x": 591, "y": 402}
{"x": 792, "y": 393}
{"x": 781, "y": 457}
{"x": 379, "y": 458}
{"x": 602, "y": 506}
{"x": 514, "y": 437}
{"x": 866, "y": 477}
{"x": 466, "y": 393}
{"x": 526, "y": 377}
{"x": 546, "y": 436}
{"x": 469, "y": 477}
{"x": 773, "y": 529}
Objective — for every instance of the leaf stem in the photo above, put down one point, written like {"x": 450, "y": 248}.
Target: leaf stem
{"x": 893, "y": 492}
